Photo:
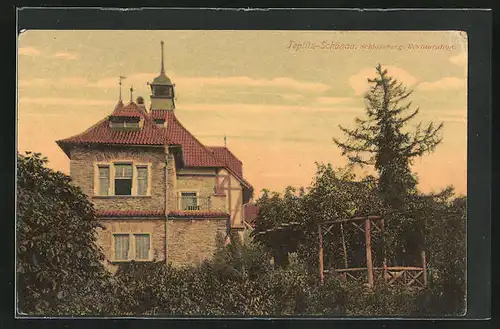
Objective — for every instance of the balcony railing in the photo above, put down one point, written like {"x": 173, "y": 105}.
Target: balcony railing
{"x": 194, "y": 203}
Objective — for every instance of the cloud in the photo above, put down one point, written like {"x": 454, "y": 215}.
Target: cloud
{"x": 267, "y": 108}
{"x": 237, "y": 81}
{"x": 445, "y": 83}
{"x": 131, "y": 79}
{"x": 28, "y": 51}
{"x": 292, "y": 97}
{"x": 73, "y": 81}
{"x": 64, "y": 101}
{"x": 65, "y": 55}
{"x": 360, "y": 85}
{"x": 31, "y": 51}
{"x": 446, "y": 115}
{"x": 66, "y": 82}
{"x": 243, "y": 81}
{"x": 291, "y": 89}
{"x": 332, "y": 100}
{"x": 460, "y": 59}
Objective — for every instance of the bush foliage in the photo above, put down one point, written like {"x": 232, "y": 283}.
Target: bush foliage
{"x": 59, "y": 267}
{"x": 60, "y": 271}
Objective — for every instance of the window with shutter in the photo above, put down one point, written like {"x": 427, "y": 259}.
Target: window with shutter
{"x": 142, "y": 246}
{"x": 122, "y": 246}
{"x": 142, "y": 180}
{"x": 103, "y": 180}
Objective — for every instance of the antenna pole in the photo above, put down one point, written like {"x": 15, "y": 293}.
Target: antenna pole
{"x": 120, "y": 78}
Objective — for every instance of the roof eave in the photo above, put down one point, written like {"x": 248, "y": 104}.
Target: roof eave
{"x": 64, "y": 147}
{"x": 240, "y": 179}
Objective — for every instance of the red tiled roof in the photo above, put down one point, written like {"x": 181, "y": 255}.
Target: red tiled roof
{"x": 228, "y": 158}
{"x": 195, "y": 153}
{"x": 198, "y": 214}
{"x": 125, "y": 113}
{"x": 102, "y": 133}
{"x": 130, "y": 213}
{"x": 131, "y": 110}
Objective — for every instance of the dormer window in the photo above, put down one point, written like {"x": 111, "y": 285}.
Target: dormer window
{"x": 124, "y": 122}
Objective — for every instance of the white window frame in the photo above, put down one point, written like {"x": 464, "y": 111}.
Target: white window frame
{"x": 131, "y": 246}
{"x": 133, "y": 178}
{"x": 111, "y": 165}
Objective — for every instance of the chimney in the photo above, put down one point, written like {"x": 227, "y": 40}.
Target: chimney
{"x": 140, "y": 103}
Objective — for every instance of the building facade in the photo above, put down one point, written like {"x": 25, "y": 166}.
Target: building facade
{"x": 160, "y": 194}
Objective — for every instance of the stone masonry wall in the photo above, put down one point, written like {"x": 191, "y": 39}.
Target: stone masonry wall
{"x": 189, "y": 242}
{"x": 186, "y": 241}
{"x": 156, "y": 227}
{"x": 171, "y": 186}
{"x": 82, "y": 171}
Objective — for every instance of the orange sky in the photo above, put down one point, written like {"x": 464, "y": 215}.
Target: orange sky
{"x": 277, "y": 97}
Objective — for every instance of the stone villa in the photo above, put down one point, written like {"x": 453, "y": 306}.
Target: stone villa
{"x": 160, "y": 193}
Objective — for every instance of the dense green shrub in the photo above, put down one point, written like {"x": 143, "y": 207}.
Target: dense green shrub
{"x": 241, "y": 279}
{"x": 229, "y": 285}
{"x": 59, "y": 267}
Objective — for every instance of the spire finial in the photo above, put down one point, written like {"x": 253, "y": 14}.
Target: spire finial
{"x": 225, "y": 141}
{"x": 131, "y": 93}
{"x": 162, "y": 64}
{"x": 120, "y": 78}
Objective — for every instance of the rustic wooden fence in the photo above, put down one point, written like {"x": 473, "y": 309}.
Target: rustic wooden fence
{"x": 372, "y": 228}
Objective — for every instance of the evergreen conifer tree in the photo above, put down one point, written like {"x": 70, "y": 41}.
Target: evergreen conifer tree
{"x": 381, "y": 140}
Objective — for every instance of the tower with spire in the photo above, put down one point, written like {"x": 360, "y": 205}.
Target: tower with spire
{"x": 162, "y": 89}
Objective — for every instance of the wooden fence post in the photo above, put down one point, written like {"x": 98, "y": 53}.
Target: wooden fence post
{"x": 345, "y": 250}
{"x": 369, "y": 263}
{"x": 321, "y": 269}
{"x": 382, "y": 227}
{"x": 424, "y": 267}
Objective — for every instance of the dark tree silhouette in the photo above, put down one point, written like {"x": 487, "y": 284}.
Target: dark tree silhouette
{"x": 277, "y": 223}
{"x": 59, "y": 265}
{"x": 380, "y": 139}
